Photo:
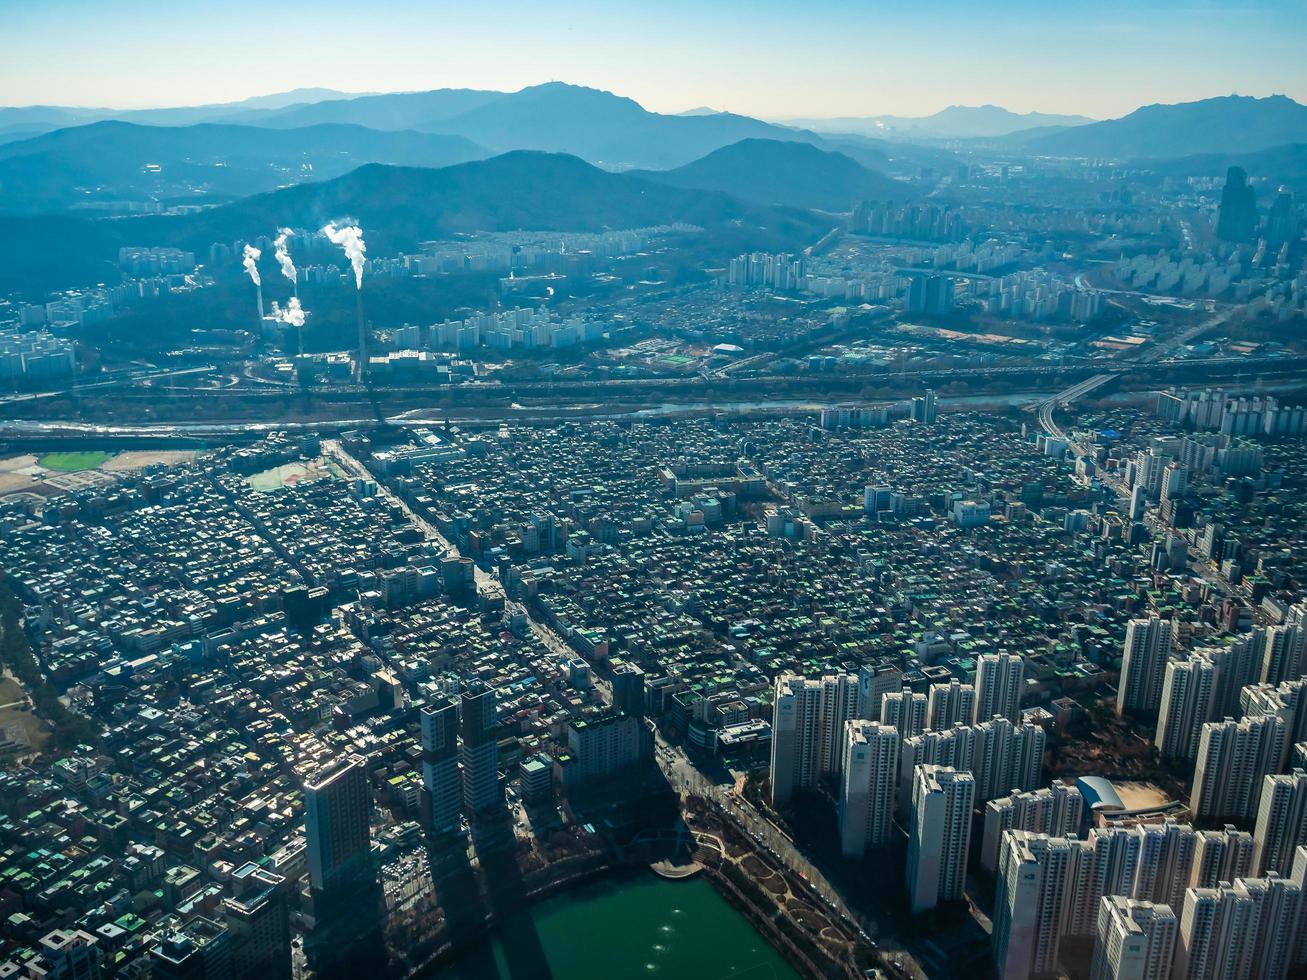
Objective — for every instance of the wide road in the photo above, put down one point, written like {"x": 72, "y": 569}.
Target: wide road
{"x": 486, "y": 584}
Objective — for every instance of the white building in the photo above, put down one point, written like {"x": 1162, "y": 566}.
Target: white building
{"x": 1187, "y": 692}
{"x": 867, "y": 785}
{"x": 1000, "y": 678}
{"x": 1143, "y": 666}
{"x": 942, "y": 801}
{"x": 1233, "y": 756}
{"x": 1281, "y": 822}
{"x": 1136, "y": 940}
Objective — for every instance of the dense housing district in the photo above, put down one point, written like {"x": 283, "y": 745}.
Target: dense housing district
{"x": 954, "y": 692}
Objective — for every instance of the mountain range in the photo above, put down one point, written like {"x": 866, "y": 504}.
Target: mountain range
{"x": 103, "y": 162}
{"x": 1229, "y": 124}
{"x": 606, "y": 129}
{"x": 20, "y": 122}
{"x": 955, "y": 122}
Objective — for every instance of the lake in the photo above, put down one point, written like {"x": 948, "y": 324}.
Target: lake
{"x": 624, "y": 928}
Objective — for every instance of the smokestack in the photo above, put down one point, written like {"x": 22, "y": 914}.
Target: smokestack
{"x": 250, "y": 260}
{"x": 363, "y": 337}
{"x": 281, "y": 248}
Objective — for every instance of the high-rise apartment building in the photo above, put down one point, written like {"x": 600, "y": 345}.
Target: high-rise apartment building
{"x": 1187, "y": 692}
{"x": 1136, "y": 940}
{"x": 905, "y": 711}
{"x": 1281, "y": 822}
{"x": 942, "y": 800}
{"x": 839, "y": 704}
{"x": 1221, "y": 855}
{"x": 1143, "y": 666}
{"x": 1000, "y": 681}
{"x": 1030, "y": 902}
{"x": 1233, "y": 756}
{"x": 948, "y": 704}
{"x": 867, "y": 785}
{"x": 796, "y": 707}
{"x": 1240, "y": 931}
{"x": 1055, "y": 810}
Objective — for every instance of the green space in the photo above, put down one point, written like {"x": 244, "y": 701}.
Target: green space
{"x": 634, "y": 927}
{"x": 74, "y": 462}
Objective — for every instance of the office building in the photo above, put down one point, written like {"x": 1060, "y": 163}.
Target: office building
{"x": 258, "y": 924}
{"x": 869, "y": 777}
{"x": 1236, "y": 219}
{"x": 440, "y": 756}
{"x": 1000, "y": 680}
{"x": 1136, "y": 940}
{"x": 66, "y": 954}
{"x": 948, "y": 704}
{"x": 628, "y": 689}
{"x": 1281, "y": 822}
{"x": 198, "y": 950}
{"x": 942, "y": 800}
{"x": 1143, "y": 666}
{"x": 1187, "y": 692}
{"x": 337, "y": 810}
{"x": 1233, "y": 756}
{"x": 479, "y": 725}
{"x": 604, "y": 745}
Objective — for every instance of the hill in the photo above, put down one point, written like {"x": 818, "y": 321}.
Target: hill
{"x": 785, "y": 173}
{"x": 115, "y": 161}
{"x": 1229, "y": 124}
{"x": 954, "y": 122}
{"x": 399, "y": 207}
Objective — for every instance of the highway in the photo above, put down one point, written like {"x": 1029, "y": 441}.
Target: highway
{"x": 126, "y": 377}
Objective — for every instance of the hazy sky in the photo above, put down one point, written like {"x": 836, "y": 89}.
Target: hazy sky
{"x": 759, "y": 57}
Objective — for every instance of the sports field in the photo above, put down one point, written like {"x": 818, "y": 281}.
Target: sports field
{"x": 74, "y": 462}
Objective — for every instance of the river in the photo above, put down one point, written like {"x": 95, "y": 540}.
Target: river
{"x": 624, "y": 928}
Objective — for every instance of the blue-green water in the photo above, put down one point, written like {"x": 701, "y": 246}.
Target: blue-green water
{"x": 628, "y": 928}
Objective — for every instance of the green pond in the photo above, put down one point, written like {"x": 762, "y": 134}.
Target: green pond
{"x": 625, "y": 928}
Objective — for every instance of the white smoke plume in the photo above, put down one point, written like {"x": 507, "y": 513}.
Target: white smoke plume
{"x": 283, "y": 256}
{"x": 251, "y": 263}
{"x": 292, "y": 314}
{"x": 350, "y": 238}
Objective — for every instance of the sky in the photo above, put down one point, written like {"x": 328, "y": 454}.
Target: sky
{"x": 758, "y": 57}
